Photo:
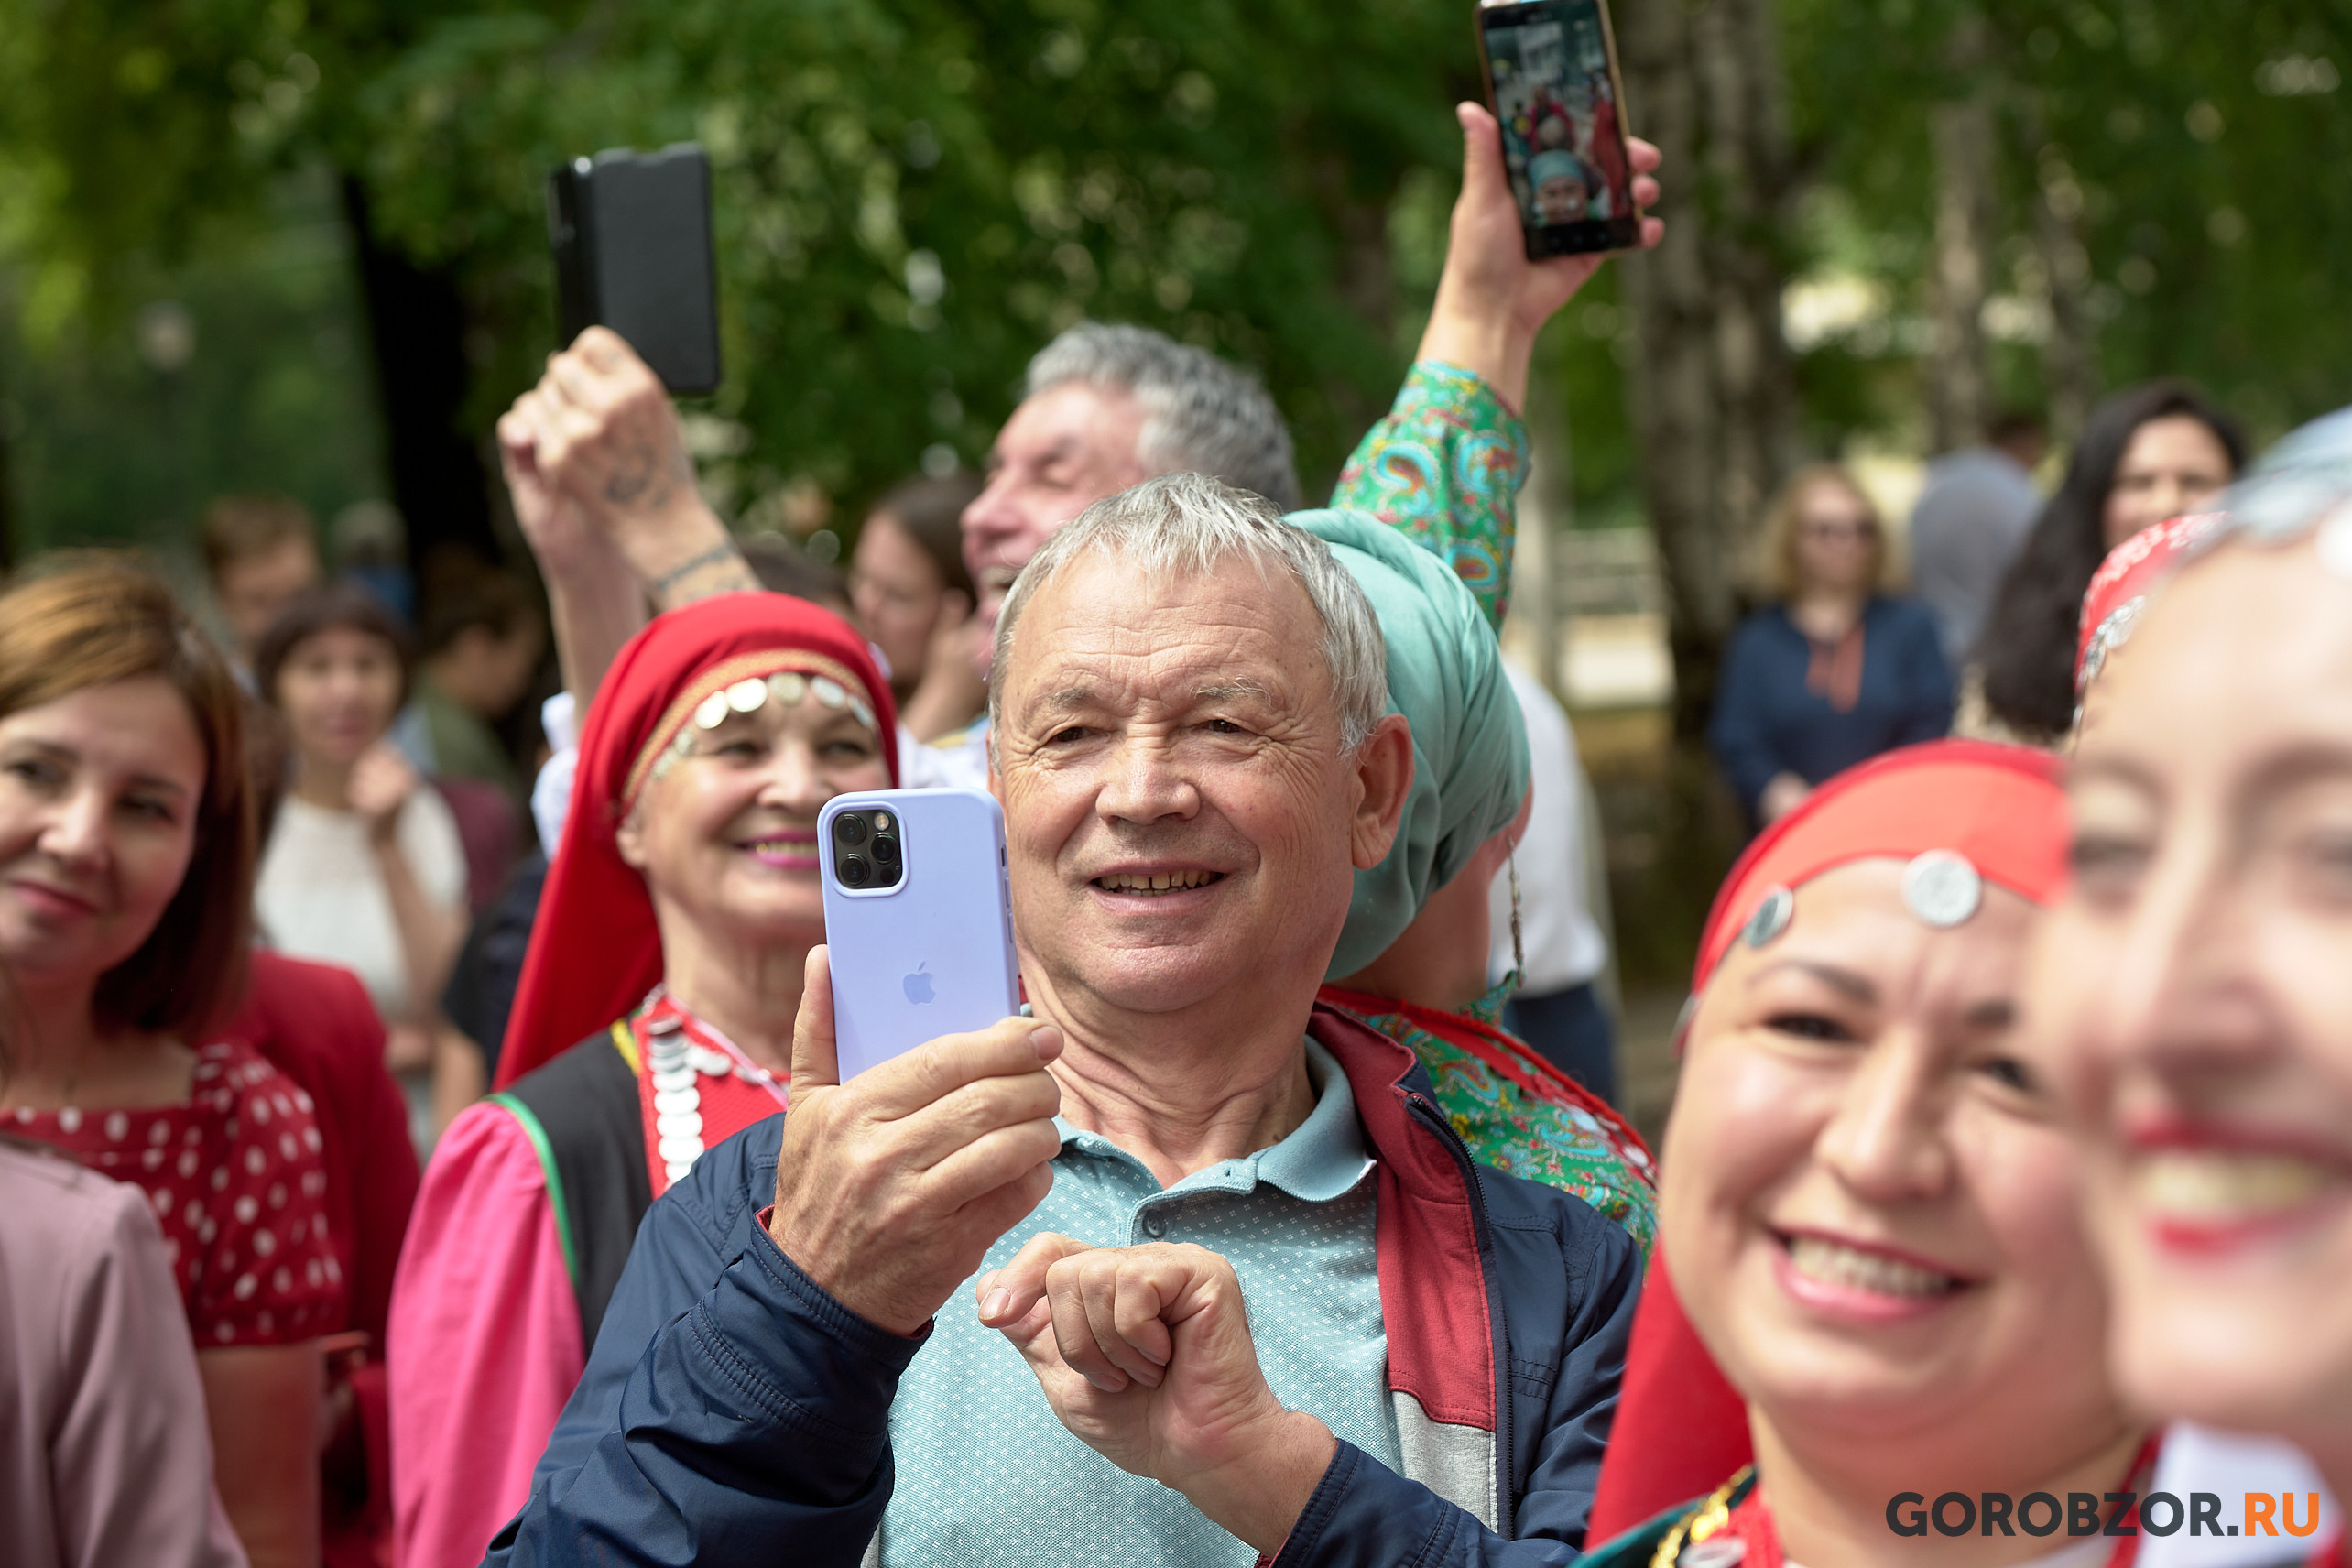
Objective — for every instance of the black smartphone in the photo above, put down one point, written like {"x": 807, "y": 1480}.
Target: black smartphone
{"x": 1552, "y": 80}
{"x": 631, "y": 232}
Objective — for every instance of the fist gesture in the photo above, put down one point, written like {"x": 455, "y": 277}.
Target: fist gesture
{"x": 381, "y": 782}
{"x": 594, "y": 452}
{"x": 890, "y": 1190}
{"x": 1145, "y": 1353}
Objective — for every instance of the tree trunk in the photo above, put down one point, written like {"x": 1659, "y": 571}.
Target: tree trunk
{"x": 1712, "y": 387}
{"x": 1714, "y": 397}
{"x": 417, "y": 321}
{"x": 1958, "y": 373}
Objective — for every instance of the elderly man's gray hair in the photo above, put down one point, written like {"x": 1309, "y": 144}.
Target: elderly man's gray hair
{"x": 1182, "y": 524}
{"x": 1199, "y": 413}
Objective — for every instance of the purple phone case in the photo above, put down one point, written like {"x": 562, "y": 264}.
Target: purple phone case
{"x": 934, "y": 955}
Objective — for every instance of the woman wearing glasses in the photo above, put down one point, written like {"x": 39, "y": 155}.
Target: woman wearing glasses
{"x": 1835, "y": 669}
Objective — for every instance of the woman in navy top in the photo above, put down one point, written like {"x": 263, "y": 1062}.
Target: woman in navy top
{"x": 1837, "y": 671}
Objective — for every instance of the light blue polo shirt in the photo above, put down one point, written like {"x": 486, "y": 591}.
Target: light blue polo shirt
{"x": 986, "y": 1474}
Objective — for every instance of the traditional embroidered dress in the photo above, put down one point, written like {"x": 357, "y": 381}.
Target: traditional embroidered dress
{"x": 1519, "y": 1114}
{"x": 533, "y": 1196}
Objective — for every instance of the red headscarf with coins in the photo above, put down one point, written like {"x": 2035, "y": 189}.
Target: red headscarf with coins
{"x": 1959, "y": 814}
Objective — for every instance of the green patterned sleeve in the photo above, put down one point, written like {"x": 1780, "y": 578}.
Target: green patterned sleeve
{"x": 1445, "y": 468}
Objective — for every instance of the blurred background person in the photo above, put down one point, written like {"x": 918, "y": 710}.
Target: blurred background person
{"x": 127, "y": 846}
{"x": 914, "y": 597}
{"x": 1835, "y": 668}
{"x": 105, "y": 1456}
{"x": 1970, "y": 520}
{"x": 481, "y": 647}
{"x": 2148, "y": 454}
{"x": 365, "y": 867}
{"x": 260, "y": 553}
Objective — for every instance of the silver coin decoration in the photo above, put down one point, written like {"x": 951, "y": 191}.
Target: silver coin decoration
{"x": 712, "y": 711}
{"x": 828, "y": 692}
{"x": 2110, "y": 636}
{"x": 746, "y": 696}
{"x": 1771, "y": 918}
{"x": 1943, "y": 888}
{"x": 788, "y": 687}
{"x": 864, "y": 715}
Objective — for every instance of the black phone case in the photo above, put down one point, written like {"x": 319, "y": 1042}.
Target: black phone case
{"x": 631, "y": 234}
{"x": 1598, "y": 234}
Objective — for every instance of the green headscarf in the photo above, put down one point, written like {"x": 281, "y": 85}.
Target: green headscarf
{"x": 1445, "y": 675}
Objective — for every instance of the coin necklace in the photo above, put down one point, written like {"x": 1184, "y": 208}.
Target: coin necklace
{"x": 679, "y": 1049}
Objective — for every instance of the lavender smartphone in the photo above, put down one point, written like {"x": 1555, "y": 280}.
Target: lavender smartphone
{"x": 917, "y": 918}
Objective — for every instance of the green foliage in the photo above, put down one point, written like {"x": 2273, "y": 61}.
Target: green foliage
{"x": 911, "y": 197}
{"x": 2190, "y": 139}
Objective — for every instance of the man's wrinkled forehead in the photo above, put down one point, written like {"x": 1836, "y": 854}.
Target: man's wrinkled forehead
{"x": 1101, "y": 635}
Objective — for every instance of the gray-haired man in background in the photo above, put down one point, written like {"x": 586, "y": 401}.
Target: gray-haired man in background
{"x": 606, "y": 493}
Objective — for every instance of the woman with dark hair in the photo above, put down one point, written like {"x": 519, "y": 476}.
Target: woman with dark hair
{"x": 365, "y": 867}
{"x": 125, "y": 875}
{"x": 908, "y": 578}
{"x": 2145, "y": 455}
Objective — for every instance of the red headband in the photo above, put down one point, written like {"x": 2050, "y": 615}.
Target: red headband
{"x": 2119, "y": 589}
{"x": 1999, "y": 805}
{"x": 594, "y": 949}
{"x": 1682, "y": 1428}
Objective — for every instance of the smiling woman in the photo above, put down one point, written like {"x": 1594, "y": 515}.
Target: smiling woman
{"x": 1866, "y": 1200}
{"x": 125, "y": 873}
{"x": 2195, "y": 977}
{"x": 679, "y": 914}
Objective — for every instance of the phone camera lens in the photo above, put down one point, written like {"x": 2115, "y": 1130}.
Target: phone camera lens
{"x": 855, "y": 872}
{"x": 849, "y": 830}
{"x": 886, "y": 850}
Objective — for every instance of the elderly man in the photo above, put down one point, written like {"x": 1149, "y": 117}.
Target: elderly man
{"x": 606, "y": 493}
{"x": 984, "y": 1302}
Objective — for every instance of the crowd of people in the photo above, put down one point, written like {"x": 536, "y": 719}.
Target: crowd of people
{"x": 2008, "y": 1167}
{"x": 1838, "y": 666}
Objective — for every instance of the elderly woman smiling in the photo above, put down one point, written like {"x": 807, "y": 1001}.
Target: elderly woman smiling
{"x": 1186, "y": 687}
{"x": 652, "y": 1020}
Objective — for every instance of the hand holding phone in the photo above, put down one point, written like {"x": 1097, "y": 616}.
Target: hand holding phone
{"x": 1552, "y": 81}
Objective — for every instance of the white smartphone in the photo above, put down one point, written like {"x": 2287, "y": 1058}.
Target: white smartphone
{"x": 917, "y": 919}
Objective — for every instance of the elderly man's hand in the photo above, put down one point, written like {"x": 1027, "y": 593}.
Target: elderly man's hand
{"x": 599, "y": 432}
{"x": 1145, "y": 1353}
{"x": 1492, "y": 300}
{"x": 890, "y": 1190}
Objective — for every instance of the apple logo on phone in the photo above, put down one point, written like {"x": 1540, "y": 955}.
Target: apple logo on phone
{"x": 918, "y": 985}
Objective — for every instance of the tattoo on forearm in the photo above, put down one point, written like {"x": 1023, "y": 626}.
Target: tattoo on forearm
{"x": 717, "y": 553}
{"x": 642, "y": 472}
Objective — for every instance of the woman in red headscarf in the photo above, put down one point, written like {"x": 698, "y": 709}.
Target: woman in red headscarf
{"x": 1881, "y": 1286}
{"x": 654, "y": 1020}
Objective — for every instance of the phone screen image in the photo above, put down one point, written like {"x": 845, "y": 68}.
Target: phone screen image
{"x": 1555, "y": 94}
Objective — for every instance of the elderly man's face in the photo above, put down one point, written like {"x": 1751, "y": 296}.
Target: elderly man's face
{"x": 1062, "y": 451}
{"x": 1178, "y": 809}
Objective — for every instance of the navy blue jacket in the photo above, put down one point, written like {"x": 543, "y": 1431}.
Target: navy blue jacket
{"x": 1766, "y": 723}
{"x": 733, "y": 1412}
